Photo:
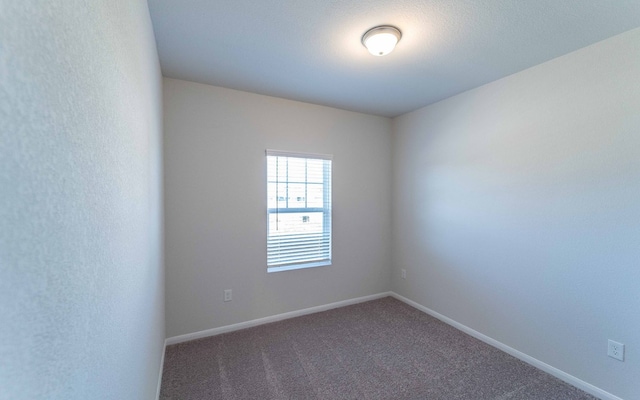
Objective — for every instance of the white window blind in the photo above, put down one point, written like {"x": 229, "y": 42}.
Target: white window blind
{"x": 298, "y": 210}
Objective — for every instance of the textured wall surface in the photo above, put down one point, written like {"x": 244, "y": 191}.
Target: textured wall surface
{"x": 516, "y": 211}
{"x": 216, "y": 205}
{"x": 81, "y": 278}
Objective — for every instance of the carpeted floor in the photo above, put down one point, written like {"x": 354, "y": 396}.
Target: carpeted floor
{"x": 382, "y": 349}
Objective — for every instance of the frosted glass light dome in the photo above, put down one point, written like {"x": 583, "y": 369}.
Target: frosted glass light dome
{"x": 381, "y": 40}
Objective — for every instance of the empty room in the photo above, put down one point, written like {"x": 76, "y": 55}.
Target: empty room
{"x": 409, "y": 199}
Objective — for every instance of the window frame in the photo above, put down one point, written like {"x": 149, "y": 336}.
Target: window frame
{"x": 325, "y": 248}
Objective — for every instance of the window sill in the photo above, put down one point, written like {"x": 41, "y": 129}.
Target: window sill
{"x": 298, "y": 266}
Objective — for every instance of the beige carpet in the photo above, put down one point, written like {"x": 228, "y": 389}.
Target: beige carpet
{"x": 382, "y": 349}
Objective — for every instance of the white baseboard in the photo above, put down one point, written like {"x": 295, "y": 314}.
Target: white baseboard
{"x": 273, "y": 318}
{"x": 570, "y": 379}
{"x": 164, "y": 350}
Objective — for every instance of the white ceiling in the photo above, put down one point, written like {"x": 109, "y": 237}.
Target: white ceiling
{"x": 310, "y": 50}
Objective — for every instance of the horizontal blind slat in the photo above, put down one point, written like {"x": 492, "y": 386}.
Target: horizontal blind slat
{"x": 297, "y": 249}
{"x": 292, "y": 260}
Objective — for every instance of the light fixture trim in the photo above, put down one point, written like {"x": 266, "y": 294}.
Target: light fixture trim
{"x": 381, "y": 30}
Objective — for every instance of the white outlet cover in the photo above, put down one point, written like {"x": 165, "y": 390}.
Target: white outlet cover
{"x": 615, "y": 350}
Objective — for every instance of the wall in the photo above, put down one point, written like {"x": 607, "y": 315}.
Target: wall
{"x": 517, "y": 212}
{"x": 81, "y": 277}
{"x": 215, "y": 204}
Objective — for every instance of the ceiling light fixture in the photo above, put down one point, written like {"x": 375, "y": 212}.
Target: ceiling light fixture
{"x": 381, "y": 40}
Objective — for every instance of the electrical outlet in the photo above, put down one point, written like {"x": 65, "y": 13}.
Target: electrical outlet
{"x": 227, "y": 295}
{"x": 403, "y": 273}
{"x": 616, "y": 350}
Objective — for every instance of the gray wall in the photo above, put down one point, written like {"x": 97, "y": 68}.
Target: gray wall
{"x": 81, "y": 277}
{"x": 517, "y": 210}
{"x": 215, "y": 196}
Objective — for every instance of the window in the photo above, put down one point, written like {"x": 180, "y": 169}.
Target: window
{"x": 298, "y": 210}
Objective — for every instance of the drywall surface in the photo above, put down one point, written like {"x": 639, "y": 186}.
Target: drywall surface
{"x": 81, "y": 277}
{"x": 215, "y": 204}
{"x": 516, "y": 211}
